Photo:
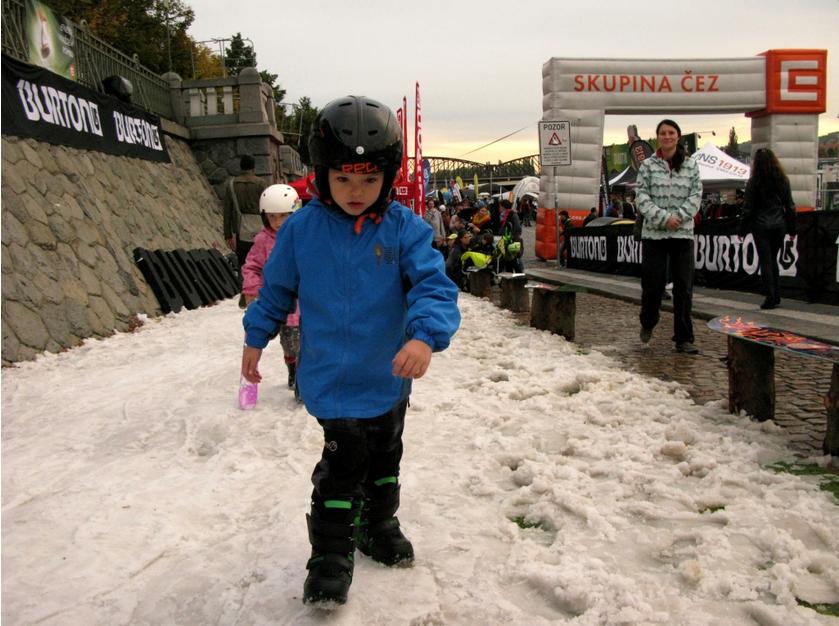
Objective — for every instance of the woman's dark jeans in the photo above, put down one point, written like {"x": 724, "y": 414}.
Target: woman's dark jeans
{"x": 657, "y": 254}
{"x": 768, "y": 244}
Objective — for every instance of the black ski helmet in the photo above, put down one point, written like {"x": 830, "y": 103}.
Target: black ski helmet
{"x": 356, "y": 134}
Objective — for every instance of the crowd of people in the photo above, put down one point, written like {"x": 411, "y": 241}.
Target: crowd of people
{"x": 478, "y": 234}
{"x": 623, "y": 205}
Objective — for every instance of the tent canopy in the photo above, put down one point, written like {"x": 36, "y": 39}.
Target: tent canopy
{"x": 717, "y": 169}
{"x": 528, "y": 184}
{"x": 626, "y": 177}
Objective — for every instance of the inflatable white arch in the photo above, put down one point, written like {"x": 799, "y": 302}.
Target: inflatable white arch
{"x": 782, "y": 91}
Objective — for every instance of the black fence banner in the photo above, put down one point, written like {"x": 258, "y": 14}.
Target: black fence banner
{"x": 42, "y": 105}
{"x": 807, "y": 262}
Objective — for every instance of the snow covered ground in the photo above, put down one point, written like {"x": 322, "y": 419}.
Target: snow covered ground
{"x": 136, "y": 492}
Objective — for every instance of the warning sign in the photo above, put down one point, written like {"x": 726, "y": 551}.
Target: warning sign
{"x": 555, "y": 143}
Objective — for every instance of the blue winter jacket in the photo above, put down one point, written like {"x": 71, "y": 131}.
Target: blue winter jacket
{"x": 362, "y": 296}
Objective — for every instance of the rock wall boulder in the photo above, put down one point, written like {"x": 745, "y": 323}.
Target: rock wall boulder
{"x": 70, "y": 222}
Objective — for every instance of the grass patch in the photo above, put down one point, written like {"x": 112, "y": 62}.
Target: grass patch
{"x": 823, "y": 609}
{"x": 828, "y": 478}
{"x": 712, "y": 509}
{"x": 523, "y": 523}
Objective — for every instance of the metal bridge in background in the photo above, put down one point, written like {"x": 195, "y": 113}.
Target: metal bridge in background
{"x": 506, "y": 174}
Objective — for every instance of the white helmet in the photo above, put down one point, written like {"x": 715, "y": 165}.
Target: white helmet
{"x": 279, "y": 199}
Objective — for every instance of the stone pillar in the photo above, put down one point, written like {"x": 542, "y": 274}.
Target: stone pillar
{"x": 269, "y": 106}
{"x": 250, "y": 97}
{"x": 176, "y": 96}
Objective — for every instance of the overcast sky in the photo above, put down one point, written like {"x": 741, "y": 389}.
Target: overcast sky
{"x": 479, "y": 62}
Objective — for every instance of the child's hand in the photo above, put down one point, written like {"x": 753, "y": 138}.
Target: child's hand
{"x": 250, "y": 363}
{"x": 412, "y": 360}
{"x": 249, "y": 299}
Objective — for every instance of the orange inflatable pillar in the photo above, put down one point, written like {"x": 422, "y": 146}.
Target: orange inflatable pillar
{"x": 546, "y": 234}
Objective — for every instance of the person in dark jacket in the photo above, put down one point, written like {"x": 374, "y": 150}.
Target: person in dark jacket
{"x": 241, "y": 216}
{"x": 511, "y": 235}
{"x": 495, "y": 217}
{"x": 242, "y": 198}
{"x": 564, "y": 227}
{"x": 629, "y": 212}
{"x": 376, "y": 303}
{"x": 454, "y": 263}
{"x": 769, "y": 215}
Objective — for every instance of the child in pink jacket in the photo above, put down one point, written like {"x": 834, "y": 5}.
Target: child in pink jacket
{"x": 276, "y": 204}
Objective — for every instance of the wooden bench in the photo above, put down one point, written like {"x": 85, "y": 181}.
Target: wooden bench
{"x": 751, "y": 370}
{"x": 514, "y": 295}
{"x": 554, "y": 308}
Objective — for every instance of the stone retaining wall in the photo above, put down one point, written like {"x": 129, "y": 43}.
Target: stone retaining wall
{"x": 219, "y": 159}
{"x": 70, "y": 221}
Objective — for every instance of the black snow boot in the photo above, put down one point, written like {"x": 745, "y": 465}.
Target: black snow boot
{"x": 377, "y": 533}
{"x": 330, "y": 568}
{"x": 292, "y": 374}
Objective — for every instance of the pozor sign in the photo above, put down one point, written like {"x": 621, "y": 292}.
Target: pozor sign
{"x": 782, "y": 91}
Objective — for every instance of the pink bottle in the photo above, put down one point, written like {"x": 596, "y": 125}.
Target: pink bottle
{"x": 247, "y": 394}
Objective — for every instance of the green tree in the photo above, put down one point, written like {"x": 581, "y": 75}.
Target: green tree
{"x": 205, "y": 63}
{"x": 270, "y": 79}
{"x": 238, "y": 55}
{"x": 295, "y": 126}
{"x": 147, "y": 28}
{"x": 732, "y": 149}
{"x": 241, "y": 55}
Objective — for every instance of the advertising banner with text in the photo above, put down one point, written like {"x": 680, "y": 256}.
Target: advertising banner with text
{"x": 42, "y": 105}
{"x": 722, "y": 260}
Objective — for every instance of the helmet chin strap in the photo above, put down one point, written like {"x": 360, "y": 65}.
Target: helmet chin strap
{"x": 359, "y": 222}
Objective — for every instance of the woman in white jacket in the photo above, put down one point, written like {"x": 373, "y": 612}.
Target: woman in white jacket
{"x": 668, "y": 195}
{"x": 435, "y": 219}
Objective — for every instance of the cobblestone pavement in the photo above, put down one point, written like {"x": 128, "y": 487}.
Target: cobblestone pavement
{"x": 611, "y": 326}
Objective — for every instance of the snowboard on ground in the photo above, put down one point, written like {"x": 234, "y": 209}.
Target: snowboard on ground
{"x": 756, "y": 332}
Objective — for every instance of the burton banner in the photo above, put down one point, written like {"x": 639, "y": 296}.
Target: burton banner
{"x": 45, "y": 106}
{"x": 808, "y": 264}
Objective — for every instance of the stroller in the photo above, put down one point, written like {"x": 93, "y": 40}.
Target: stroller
{"x": 479, "y": 257}
{"x": 507, "y": 253}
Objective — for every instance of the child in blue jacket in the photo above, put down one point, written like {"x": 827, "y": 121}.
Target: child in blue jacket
{"x": 375, "y": 303}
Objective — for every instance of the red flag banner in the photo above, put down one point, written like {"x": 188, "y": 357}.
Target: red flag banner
{"x": 418, "y": 173}
{"x": 404, "y": 139}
